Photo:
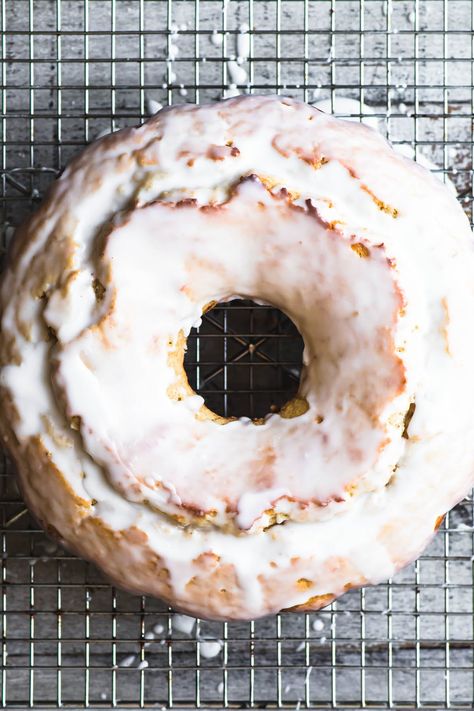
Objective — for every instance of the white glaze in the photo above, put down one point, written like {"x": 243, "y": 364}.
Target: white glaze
{"x": 128, "y": 661}
{"x": 318, "y": 624}
{"x": 376, "y": 529}
{"x": 231, "y": 92}
{"x": 348, "y": 109}
{"x": 203, "y": 465}
{"x": 183, "y": 623}
{"x": 237, "y": 74}
{"x": 105, "y": 132}
{"x": 217, "y": 38}
{"x": 243, "y": 42}
{"x": 210, "y": 648}
{"x": 153, "y": 106}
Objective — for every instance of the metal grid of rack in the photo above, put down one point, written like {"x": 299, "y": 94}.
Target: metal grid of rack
{"x": 73, "y": 68}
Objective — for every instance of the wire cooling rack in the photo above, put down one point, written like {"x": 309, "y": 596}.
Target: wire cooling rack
{"x": 75, "y": 68}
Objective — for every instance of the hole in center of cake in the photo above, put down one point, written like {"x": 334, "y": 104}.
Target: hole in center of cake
{"x": 245, "y": 359}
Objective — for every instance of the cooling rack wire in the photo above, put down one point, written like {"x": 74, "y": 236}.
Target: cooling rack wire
{"x": 74, "y": 69}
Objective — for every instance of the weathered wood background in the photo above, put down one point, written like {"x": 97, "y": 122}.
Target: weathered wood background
{"x": 74, "y": 68}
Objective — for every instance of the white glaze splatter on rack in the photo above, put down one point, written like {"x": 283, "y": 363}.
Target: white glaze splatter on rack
{"x": 8, "y": 232}
{"x": 172, "y": 54}
{"x": 210, "y": 648}
{"x": 106, "y": 132}
{"x": 237, "y": 74}
{"x": 183, "y": 623}
{"x": 243, "y": 43}
{"x": 318, "y": 624}
{"x": 128, "y": 661}
{"x": 217, "y": 38}
{"x": 153, "y": 106}
{"x": 231, "y": 91}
